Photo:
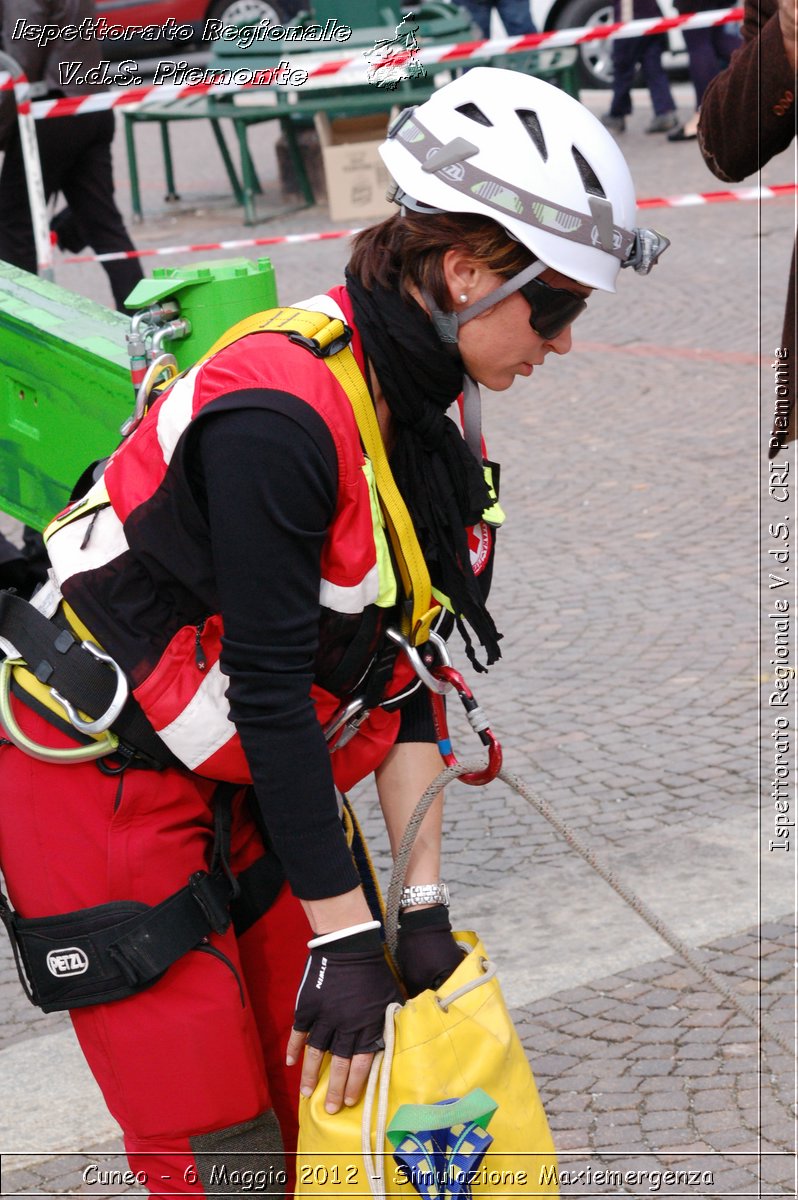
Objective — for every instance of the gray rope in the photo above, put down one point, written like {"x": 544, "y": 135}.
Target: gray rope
{"x": 690, "y": 956}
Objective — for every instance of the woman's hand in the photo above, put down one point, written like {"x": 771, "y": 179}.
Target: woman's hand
{"x": 341, "y": 1005}
{"x": 427, "y": 951}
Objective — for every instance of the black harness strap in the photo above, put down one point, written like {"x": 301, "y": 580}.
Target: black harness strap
{"x": 111, "y": 951}
{"x": 57, "y": 659}
{"x": 260, "y": 886}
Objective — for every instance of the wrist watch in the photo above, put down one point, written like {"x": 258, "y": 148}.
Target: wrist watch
{"x": 424, "y": 893}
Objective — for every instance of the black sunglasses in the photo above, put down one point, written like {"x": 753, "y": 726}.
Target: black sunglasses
{"x": 553, "y": 309}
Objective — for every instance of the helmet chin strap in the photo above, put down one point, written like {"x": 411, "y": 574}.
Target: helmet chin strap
{"x": 447, "y": 326}
{"x": 505, "y": 289}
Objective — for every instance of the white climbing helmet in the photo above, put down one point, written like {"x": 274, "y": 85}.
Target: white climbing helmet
{"x": 508, "y": 146}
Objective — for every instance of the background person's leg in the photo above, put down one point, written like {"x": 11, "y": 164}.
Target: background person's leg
{"x": 88, "y": 186}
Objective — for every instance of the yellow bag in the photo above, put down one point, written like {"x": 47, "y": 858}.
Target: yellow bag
{"x": 451, "y": 1107}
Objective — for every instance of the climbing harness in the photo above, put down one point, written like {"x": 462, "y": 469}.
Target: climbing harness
{"x": 110, "y": 951}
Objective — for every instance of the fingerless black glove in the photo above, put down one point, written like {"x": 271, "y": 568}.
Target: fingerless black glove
{"x": 427, "y": 953}
{"x": 344, "y": 993}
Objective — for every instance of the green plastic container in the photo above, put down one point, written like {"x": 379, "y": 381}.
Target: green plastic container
{"x": 64, "y": 391}
{"x": 65, "y": 385}
{"x": 213, "y": 296}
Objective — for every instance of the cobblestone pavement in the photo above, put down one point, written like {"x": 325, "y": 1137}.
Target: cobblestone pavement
{"x": 631, "y": 696}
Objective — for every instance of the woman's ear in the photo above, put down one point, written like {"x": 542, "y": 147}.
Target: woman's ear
{"x": 462, "y": 274}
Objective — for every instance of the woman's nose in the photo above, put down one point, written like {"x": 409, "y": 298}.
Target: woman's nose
{"x": 562, "y": 343}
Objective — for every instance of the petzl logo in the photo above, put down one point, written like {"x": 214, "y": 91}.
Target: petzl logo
{"x": 63, "y": 963}
{"x": 455, "y": 172}
{"x": 595, "y": 238}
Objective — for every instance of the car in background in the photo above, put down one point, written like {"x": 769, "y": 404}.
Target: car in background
{"x": 596, "y": 57}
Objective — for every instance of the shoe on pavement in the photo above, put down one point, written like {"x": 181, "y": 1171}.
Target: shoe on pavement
{"x": 614, "y": 124}
{"x": 663, "y": 123}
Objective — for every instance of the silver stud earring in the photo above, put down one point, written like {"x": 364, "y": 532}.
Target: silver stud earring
{"x": 463, "y": 297}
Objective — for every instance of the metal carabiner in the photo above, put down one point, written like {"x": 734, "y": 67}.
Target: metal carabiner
{"x": 444, "y": 678}
{"x": 417, "y": 663}
{"x": 344, "y": 724}
{"x": 105, "y": 746}
{"x": 476, "y": 719}
{"x": 114, "y": 708}
{"x": 164, "y": 362}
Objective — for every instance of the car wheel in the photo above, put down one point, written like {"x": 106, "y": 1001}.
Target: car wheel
{"x": 253, "y": 12}
{"x": 595, "y": 58}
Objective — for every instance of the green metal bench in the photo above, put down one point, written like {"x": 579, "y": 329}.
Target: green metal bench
{"x": 438, "y": 22}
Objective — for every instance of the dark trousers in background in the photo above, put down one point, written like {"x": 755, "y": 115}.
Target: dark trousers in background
{"x": 709, "y": 51}
{"x": 515, "y": 15}
{"x": 76, "y": 160}
{"x": 647, "y": 51}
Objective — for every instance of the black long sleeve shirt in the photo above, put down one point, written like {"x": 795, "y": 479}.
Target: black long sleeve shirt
{"x": 267, "y": 480}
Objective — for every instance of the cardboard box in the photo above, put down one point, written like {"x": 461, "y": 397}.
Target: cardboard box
{"x": 355, "y": 177}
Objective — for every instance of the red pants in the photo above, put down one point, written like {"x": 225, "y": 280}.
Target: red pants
{"x": 202, "y": 1050}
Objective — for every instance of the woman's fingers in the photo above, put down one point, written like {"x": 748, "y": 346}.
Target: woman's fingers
{"x": 347, "y": 1075}
{"x": 347, "y": 1078}
{"x": 294, "y": 1048}
{"x": 358, "y": 1076}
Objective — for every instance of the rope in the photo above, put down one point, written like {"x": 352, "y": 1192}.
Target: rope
{"x": 626, "y": 893}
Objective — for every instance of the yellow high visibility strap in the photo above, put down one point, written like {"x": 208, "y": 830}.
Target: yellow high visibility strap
{"x": 409, "y": 557}
{"x": 323, "y": 330}
{"x": 316, "y": 326}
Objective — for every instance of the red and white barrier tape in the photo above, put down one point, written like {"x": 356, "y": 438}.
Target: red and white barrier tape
{"x": 334, "y": 69}
{"x": 295, "y": 239}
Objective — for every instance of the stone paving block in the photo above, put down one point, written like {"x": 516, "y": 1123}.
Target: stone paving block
{"x": 665, "y": 1018}
{"x": 777, "y": 1168}
{"x": 736, "y": 1182}
{"x": 664, "y": 1118}
{"x": 709, "y": 1101}
{"x": 706, "y": 1018}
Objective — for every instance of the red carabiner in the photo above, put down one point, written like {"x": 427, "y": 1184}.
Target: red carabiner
{"x": 477, "y": 721}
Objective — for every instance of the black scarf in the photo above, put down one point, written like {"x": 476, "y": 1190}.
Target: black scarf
{"x": 441, "y": 482}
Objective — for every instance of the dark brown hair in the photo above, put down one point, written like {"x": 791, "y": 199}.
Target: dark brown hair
{"x": 408, "y": 249}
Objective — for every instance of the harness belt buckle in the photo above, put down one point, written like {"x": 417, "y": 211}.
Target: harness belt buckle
{"x": 204, "y": 889}
{"x": 125, "y": 965}
{"x": 319, "y": 350}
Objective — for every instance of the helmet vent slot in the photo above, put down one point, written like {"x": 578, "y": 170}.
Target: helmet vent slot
{"x": 531, "y": 124}
{"x": 587, "y": 174}
{"x": 474, "y": 113}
